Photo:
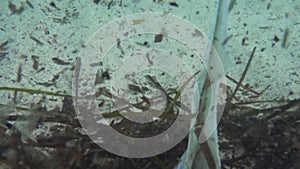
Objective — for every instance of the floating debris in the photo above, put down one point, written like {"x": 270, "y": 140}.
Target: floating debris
{"x": 285, "y": 37}
{"x": 36, "y": 40}
{"x": 60, "y": 62}
{"x": 138, "y": 21}
{"x": 158, "y": 38}
{"x": 29, "y": 4}
{"x": 35, "y": 62}
{"x": 3, "y": 45}
{"x": 14, "y": 10}
{"x": 174, "y": 4}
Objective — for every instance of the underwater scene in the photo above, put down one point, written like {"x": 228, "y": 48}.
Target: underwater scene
{"x": 150, "y": 84}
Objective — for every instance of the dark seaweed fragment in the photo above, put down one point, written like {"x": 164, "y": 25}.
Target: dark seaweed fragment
{"x": 96, "y": 1}
{"x": 174, "y": 4}
{"x": 29, "y": 4}
{"x": 60, "y": 62}
{"x": 13, "y": 8}
{"x": 158, "y": 38}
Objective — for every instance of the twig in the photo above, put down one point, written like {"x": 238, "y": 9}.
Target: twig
{"x": 19, "y": 77}
{"x": 243, "y": 76}
{"x": 262, "y": 101}
{"x": 280, "y": 109}
{"x": 260, "y": 93}
{"x": 33, "y": 91}
{"x": 249, "y": 89}
{"x": 243, "y": 86}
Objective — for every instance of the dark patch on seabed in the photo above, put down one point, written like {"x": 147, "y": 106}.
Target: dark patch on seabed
{"x": 247, "y": 140}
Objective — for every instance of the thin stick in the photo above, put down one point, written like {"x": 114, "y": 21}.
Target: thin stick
{"x": 19, "y": 76}
{"x": 249, "y": 89}
{"x": 263, "y": 101}
{"x": 243, "y": 86}
{"x": 263, "y": 91}
{"x": 243, "y": 75}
